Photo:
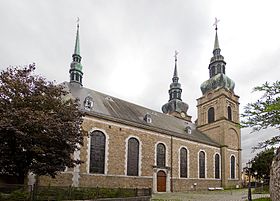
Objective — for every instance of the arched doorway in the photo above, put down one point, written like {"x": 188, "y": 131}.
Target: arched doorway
{"x": 161, "y": 181}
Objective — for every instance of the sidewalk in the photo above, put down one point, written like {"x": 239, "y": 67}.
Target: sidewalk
{"x": 226, "y": 195}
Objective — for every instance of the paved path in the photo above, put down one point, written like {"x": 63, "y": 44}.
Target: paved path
{"x": 226, "y": 195}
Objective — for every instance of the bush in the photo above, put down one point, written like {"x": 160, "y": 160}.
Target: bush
{"x": 18, "y": 195}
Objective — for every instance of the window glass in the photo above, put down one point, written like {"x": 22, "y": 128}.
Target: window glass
{"x": 183, "y": 162}
{"x": 97, "y": 152}
{"x": 161, "y": 155}
{"x": 133, "y": 157}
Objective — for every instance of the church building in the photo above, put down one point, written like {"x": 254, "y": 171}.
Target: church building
{"x": 130, "y": 146}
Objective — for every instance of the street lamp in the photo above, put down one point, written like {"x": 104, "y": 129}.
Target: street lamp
{"x": 255, "y": 173}
{"x": 249, "y": 166}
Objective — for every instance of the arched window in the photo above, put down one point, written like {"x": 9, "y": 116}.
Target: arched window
{"x": 97, "y": 152}
{"x": 217, "y": 166}
{"x": 232, "y": 167}
{"x": 160, "y": 155}
{"x": 201, "y": 164}
{"x": 211, "y": 115}
{"x": 184, "y": 163}
{"x": 229, "y": 113}
{"x": 133, "y": 157}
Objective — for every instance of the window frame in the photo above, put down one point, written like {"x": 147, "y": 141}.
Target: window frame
{"x": 232, "y": 167}
{"x": 186, "y": 163}
{"x": 200, "y": 176}
{"x": 219, "y": 166}
{"x": 211, "y": 115}
{"x": 128, "y": 158}
{"x": 104, "y": 152}
{"x": 157, "y": 155}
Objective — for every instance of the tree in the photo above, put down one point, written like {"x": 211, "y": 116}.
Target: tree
{"x": 265, "y": 112}
{"x": 39, "y": 127}
{"x": 262, "y": 163}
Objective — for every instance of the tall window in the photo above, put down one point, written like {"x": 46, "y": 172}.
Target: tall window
{"x": 97, "y": 152}
{"x": 229, "y": 113}
{"x": 184, "y": 163}
{"x": 161, "y": 155}
{"x": 217, "y": 166}
{"x": 211, "y": 115}
{"x": 133, "y": 157}
{"x": 232, "y": 167}
{"x": 201, "y": 164}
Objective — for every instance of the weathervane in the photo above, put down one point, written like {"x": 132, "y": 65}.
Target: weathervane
{"x": 176, "y": 53}
{"x": 216, "y": 23}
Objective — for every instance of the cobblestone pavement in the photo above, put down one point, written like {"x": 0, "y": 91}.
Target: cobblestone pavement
{"x": 226, "y": 195}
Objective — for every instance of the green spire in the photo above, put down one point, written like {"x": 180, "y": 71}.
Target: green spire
{"x": 77, "y": 44}
{"x": 76, "y": 73}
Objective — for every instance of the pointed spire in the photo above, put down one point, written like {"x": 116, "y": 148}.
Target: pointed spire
{"x": 175, "y": 75}
{"x": 76, "y": 73}
{"x": 216, "y": 44}
{"x": 217, "y": 69}
{"x": 175, "y": 87}
{"x": 175, "y": 106}
{"x": 77, "y": 44}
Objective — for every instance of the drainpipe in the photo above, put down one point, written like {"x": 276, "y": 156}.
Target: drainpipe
{"x": 171, "y": 170}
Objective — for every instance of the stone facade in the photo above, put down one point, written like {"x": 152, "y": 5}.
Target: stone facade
{"x": 275, "y": 178}
{"x": 115, "y": 165}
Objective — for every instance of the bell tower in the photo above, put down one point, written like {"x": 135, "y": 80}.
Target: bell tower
{"x": 218, "y": 114}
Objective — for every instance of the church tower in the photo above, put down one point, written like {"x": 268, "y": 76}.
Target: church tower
{"x": 175, "y": 106}
{"x": 76, "y": 73}
{"x": 218, "y": 115}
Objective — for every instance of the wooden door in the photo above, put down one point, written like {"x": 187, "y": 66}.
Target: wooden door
{"x": 161, "y": 181}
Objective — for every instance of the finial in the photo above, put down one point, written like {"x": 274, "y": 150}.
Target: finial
{"x": 176, "y": 53}
{"x": 78, "y": 22}
{"x": 216, "y": 23}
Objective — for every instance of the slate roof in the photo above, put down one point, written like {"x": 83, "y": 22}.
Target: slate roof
{"x": 117, "y": 110}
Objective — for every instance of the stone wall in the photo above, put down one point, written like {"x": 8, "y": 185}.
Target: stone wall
{"x": 116, "y": 155}
{"x": 275, "y": 178}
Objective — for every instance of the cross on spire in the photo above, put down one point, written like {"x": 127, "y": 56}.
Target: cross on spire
{"x": 216, "y": 23}
{"x": 175, "y": 55}
{"x": 175, "y": 75}
{"x": 78, "y": 22}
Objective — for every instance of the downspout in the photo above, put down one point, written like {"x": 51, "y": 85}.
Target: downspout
{"x": 171, "y": 170}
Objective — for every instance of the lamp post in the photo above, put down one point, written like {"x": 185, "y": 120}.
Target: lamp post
{"x": 249, "y": 165}
{"x": 255, "y": 173}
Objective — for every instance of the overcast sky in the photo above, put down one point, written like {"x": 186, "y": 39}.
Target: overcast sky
{"x": 127, "y": 46}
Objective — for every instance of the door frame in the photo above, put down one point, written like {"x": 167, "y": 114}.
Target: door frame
{"x": 167, "y": 173}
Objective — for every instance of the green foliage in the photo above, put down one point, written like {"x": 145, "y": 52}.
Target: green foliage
{"x": 39, "y": 127}
{"x": 71, "y": 193}
{"x": 262, "y": 163}
{"x": 262, "y": 199}
{"x": 18, "y": 195}
{"x": 265, "y": 112}
{"x": 261, "y": 190}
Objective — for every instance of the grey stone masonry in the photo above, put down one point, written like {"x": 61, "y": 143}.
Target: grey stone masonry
{"x": 275, "y": 178}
